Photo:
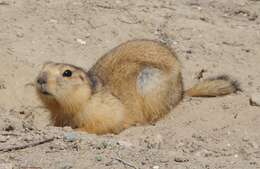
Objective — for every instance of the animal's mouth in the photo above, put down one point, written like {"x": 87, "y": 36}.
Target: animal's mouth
{"x": 46, "y": 93}
{"x": 43, "y": 90}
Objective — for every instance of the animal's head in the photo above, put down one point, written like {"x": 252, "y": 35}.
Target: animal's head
{"x": 63, "y": 84}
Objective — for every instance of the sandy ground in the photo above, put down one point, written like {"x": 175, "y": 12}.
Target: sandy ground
{"x": 217, "y": 36}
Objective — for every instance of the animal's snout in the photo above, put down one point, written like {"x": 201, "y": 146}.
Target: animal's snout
{"x": 42, "y": 78}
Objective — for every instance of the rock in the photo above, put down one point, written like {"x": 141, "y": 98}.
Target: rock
{"x": 53, "y": 21}
{"x": 255, "y": 99}
{"x": 189, "y": 51}
{"x": 9, "y": 127}
{"x": 253, "y": 144}
{"x": 70, "y": 137}
{"x": 253, "y": 17}
{"x": 181, "y": 159}
{"x": 98, "y": 158}
{"x": 80, "y": 41}
{"x": 67, "y": 167}
{"x": 3, "y": 139}
{"x": 156, "y": 167}
{"x": 102, "y": 145}
{"x": 4, "y": 3}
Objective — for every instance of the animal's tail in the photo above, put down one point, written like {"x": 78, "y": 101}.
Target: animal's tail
{"x": 218, "y": 86}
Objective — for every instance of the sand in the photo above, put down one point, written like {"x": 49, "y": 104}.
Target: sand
{"x": 210, "y": 38}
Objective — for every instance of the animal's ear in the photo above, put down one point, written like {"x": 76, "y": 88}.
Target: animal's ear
{"x": 95, "y": 82}
{"x": 82, "y": 78}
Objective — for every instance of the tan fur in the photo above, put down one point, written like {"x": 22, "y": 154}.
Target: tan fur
{"x": 212, "y": 87}
{"x": 137, "y": 82}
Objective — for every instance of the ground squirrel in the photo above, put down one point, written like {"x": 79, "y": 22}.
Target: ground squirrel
{"x": 138, "y": 82}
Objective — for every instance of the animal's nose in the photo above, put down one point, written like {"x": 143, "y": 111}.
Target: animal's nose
{"x": 41, "y": 81}
{"x": 42, "y": 78}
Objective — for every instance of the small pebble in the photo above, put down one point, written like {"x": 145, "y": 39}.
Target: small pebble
{"x": 67, "y": 167}
{"x": 174, "y": 43}
{"x": 156, "y": 167}
{"x": 98, "y": 158}
{"x": 4, "y": 3}
{"x": 255, "y": 100}
{"x": 252, "y": 17}
{"x": 188, "y": 51}
{"x": 70, "y": 137}
{"x": 245, "y": 139}
{"x": 53, "y": 21}
{"x": 2, "y": 86}
{"x": 254, "y": 144}
{"x": 3, "y": 139}
{"x": 22, "y": 112}
{"x": 82, "y": 42}
{"x": 103, "y": 145}
{"x": 9, "y": 127}
{"x": 253, "y": 163}
{"x": 180, "y": 159}
{"x": 19, "y": 34}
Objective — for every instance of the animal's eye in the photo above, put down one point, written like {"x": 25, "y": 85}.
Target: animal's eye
{"x": 67, "y": 73}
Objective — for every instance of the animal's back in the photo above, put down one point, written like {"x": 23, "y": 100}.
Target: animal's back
{"x": 144, "y": 75}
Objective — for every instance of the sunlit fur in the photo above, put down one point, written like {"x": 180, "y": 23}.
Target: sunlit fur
{"x": 137, "y": 82}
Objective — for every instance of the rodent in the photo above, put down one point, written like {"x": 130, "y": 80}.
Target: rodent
{"x": 137, "y": 82}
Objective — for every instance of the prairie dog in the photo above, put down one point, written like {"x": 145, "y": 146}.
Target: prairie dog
{"x": 137, "y": 82}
